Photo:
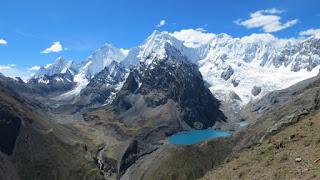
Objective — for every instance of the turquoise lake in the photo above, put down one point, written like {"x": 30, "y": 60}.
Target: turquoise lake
{"x": 195, "y": 136}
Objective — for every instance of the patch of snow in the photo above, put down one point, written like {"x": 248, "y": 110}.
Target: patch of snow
{"x": 81, "y": 81}
{"x": 43, "y": 81}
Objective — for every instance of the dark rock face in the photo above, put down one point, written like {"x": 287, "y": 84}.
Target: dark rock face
{"x": 227, "y": 73}
{"x": 131, "y": 83}
{"x": 235, "y": 82}
{"x": 234, "y": 96}
{"x": 176, "y": 79}
{"x": 103, "y": 85}
{"x": 129, "y": 156}
{"x": 182, "y": 82}
{"x": 133, "y": 152}
{"x": 19, "y": 80}
{"x": 256, "y": 91}
{"x": 9, "y": 130}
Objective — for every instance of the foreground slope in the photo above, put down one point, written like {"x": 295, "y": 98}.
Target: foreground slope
{"x": 33, "y": 147}
{"x": 292, "y": 153}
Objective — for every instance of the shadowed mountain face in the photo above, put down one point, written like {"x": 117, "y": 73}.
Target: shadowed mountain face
{"x": 103, "y": 86}
{"x": 9, "y": 129}
{"x": 181, "y": 82}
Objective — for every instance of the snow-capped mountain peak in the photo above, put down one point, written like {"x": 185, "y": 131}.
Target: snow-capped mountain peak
{"x": 94, "y": 64}
{"x": 60, "y": 66}
{"x": 229, "y": 65}
{"x": 155, "y": 44}
{"x": 101, "y": 58}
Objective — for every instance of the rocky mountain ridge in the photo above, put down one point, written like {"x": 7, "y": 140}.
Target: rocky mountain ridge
{"x": 228, "y": 65}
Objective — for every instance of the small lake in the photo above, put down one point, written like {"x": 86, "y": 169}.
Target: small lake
{"x": 195, "y": 136}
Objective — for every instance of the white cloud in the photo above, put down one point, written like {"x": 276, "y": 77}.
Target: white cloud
{"x": 273, "y": 11}
{"x": 268, "y": 38}
{"x": 3, "y": 42}
{"x": 48, "y": 65}
{"x": 34, "y": 68}
{"x": 161, "y": 23}
{"x": 266, "y": 20}
{"x": 259, "y": 37}
{"x": 54, "y": 48}
{"x": 193, "y": 37}
{"x": 311, "y": 32}
{"x": 4, "y": 68}
{"x": 125, "y": 51}
{"x": 11, "y": 70}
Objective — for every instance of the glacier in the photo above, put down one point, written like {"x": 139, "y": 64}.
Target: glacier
{"x": 229, "y": 65}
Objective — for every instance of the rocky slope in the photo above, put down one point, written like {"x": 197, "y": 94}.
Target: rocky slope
{"x": 291, "y": 153}
{"x": 103, "y": 86}
{"x": 33, "y": 147}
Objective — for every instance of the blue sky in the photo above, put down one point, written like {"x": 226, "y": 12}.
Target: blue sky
{"x": 28, "y": 28}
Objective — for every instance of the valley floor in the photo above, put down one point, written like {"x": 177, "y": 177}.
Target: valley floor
{"x": 293, "y": 153}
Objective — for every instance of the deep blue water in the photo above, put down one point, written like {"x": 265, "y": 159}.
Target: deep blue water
{"x": 195, "y": 136}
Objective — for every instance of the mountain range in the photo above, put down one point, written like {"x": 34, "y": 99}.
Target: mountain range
{"x": 236, "y": 70}
{"x": 113, "y": 112}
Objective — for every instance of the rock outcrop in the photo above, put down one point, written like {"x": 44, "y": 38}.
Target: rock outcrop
{"x": 227, "y": 73}
{"x": 256, "y": 91}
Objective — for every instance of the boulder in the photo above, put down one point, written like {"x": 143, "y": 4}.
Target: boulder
{"x": 256, "y": 91}
{"x": 235, "y": 82}
{"x": 227, "y": 73}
